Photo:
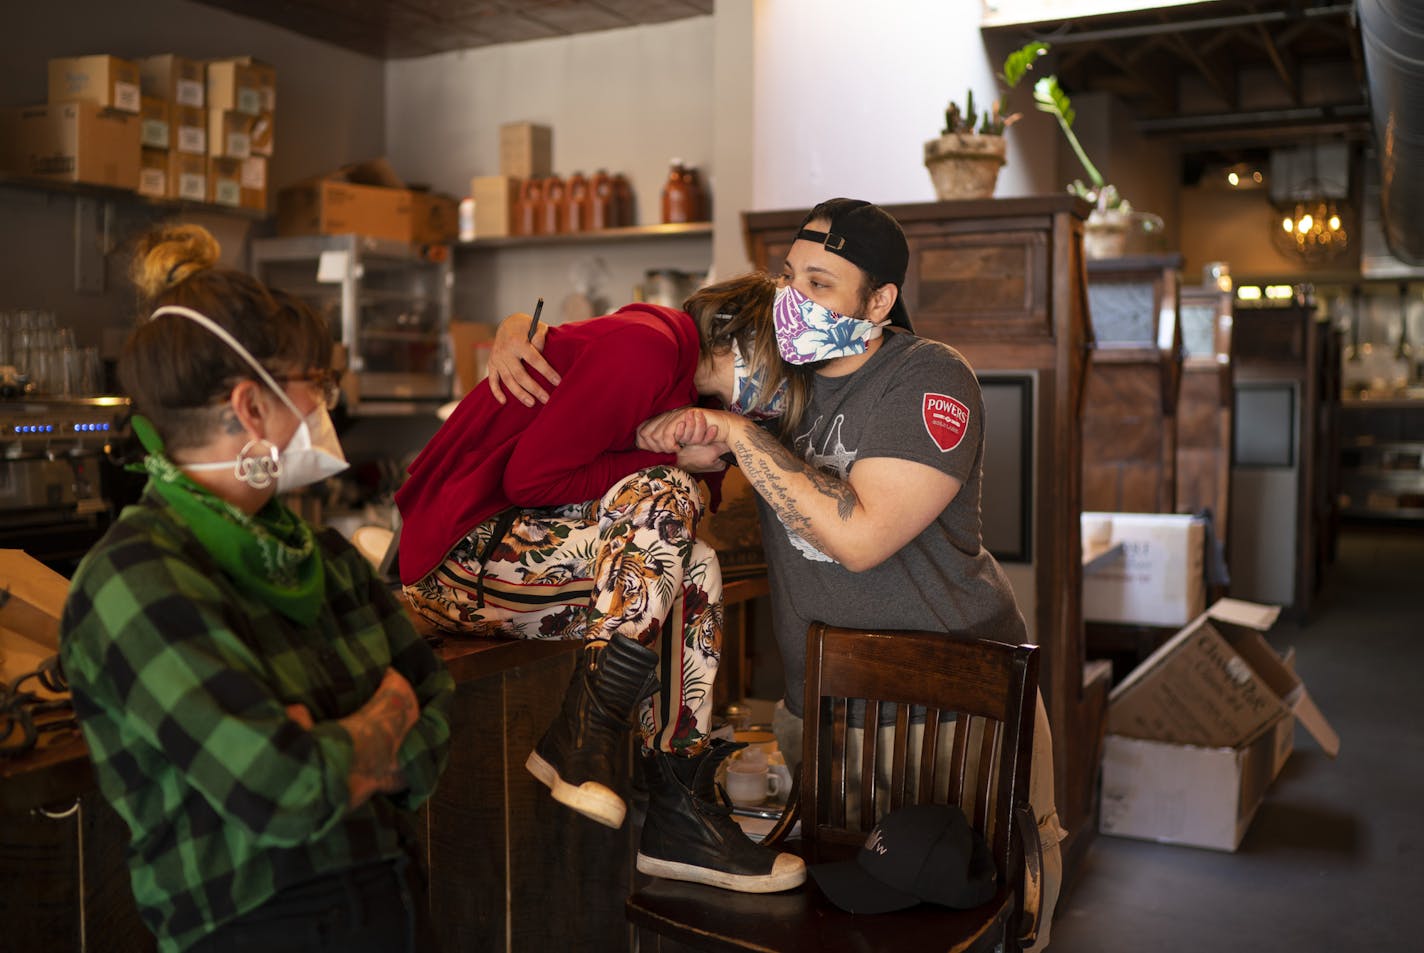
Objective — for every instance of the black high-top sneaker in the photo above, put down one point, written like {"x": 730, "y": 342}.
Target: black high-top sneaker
{"x": 576, "y": 757}
{"x": 690, "y": 834}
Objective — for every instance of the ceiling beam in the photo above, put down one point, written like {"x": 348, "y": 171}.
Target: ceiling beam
{"x": 1166, "y": 24}
{"x": 1286, "y": 75}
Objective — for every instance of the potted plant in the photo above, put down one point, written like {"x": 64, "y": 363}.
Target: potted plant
{"x": 964, "y": 161}
{"x": 1105, "y": 234}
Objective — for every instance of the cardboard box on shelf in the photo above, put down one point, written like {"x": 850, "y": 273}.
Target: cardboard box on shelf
{"x": 225, "y": 181}
{"x": 187, "y": 176}
{"x": 254, "y": 183}
{"x": 1197, "y": 732}
{"x": 434, "y": 218}
{"x": 178, "y": 79}
{"x": 189, "y": 129}
{"x": 263, "y": 130}
{"x": 153, "y": 173}
{"x": 229, "y": 134}
{"x": 470, "y": 342}
{"x": 264, "y": 75}
{"x": 33, "y": 600}
{"x": 71, "y": 142}
{"x": 1157, "y": 577}
{"x": 494, "y": 197}
{"x": 154, "y": 123}
{"x": 526, "y": 150}
{"x": 103, "y": 80}
{"x": 365, "y": 198}
{"x": 236, "y": 84}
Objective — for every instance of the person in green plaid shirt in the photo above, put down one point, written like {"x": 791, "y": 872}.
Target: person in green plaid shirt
{"x": 256, "y": 703}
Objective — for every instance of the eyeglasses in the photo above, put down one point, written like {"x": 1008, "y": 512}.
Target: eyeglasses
{"x": 329, "y": 381}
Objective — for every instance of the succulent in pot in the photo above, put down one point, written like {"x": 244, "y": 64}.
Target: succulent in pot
{"x": 964, "y": 161}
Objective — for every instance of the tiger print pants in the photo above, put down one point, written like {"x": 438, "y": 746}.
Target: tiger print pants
{"x": 625, "y": 563}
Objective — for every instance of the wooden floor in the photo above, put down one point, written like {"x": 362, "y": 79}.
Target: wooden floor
{"x": 1335, "y": 858}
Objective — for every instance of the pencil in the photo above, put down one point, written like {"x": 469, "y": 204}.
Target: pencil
{"x": 534, "y": 325}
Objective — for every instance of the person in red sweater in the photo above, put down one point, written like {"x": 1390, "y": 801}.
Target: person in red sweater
{"x": 556, "y": 521}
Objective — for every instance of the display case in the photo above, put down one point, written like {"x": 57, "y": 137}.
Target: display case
{"x": 389, "y": 306}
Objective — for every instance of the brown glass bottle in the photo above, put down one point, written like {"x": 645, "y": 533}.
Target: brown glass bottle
{"x": 530, "y": 208}
{"x": 576, "y": 204}
{"x": 603, "y": 206}
{"x": 677, "y": 197}
{"x": 623, "y": 199}
{"x": 554, "y": 192}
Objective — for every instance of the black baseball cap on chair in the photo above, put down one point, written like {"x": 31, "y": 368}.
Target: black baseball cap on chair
{"x": 924, "y": 853}
{"x": 868, "y": 237}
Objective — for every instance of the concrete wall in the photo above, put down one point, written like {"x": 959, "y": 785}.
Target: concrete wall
{"x": 626, "y": 100}
{"x": 330, "y": 109}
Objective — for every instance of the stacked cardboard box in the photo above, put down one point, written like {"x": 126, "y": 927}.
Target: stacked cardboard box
{"x": 166, "y": 126}
{"x": 1198, "y": 731}
{"x": 1153, "y": 574}
{"x": 525, "y": 152}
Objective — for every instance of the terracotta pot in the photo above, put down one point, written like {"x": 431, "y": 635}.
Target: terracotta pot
{"x": 964, "y": 165}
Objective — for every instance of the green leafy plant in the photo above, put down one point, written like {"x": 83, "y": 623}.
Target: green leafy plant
{"x": 1049, "y": 97}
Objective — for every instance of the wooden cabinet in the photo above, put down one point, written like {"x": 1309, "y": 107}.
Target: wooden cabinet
{"x": 1284, "y": 453}
{"x": 1134, "y": 378}
{"x": 1204, "y": 406}
{"x": 1004, "y": 282}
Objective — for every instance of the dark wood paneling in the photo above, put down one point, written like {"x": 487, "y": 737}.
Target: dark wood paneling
{"x": 465, "y": 825}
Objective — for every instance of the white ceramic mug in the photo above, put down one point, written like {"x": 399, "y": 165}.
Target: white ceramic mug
{"x": 751, "y": 783}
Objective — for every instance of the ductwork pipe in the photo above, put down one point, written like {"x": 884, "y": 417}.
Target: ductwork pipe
{"x": 1393, "y": 34}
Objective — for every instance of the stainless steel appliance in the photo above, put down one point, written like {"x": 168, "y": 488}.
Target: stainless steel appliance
{"x": 53, "y": 473}
{"x": 389, "y": 305}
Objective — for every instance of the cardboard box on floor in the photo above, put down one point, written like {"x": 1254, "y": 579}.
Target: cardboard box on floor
{"x": 1156, "y": 578}
{"x": 31, "y": 600}
{"x": 365, "y": 198}
{"x": 1198, "y": 731}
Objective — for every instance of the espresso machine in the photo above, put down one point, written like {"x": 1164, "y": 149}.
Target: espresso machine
{"x": 56, "y": 472}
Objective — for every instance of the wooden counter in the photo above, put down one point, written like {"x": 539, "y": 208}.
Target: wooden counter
{"x": 509, "y": 869}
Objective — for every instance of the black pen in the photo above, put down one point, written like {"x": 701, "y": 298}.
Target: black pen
{"x": 534, "y": 325}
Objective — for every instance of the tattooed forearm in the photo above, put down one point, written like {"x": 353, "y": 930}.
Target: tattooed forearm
{"x": 376, "y": 731}
{"x": 778, "y": 455}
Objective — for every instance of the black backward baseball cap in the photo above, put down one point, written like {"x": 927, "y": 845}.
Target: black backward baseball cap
{"x": 868, "y": 237}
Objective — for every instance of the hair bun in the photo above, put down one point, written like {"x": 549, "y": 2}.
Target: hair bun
{"x": 167, "y": 255}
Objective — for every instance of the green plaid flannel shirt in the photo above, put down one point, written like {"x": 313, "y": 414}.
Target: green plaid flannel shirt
{"x": 180, "y": 682}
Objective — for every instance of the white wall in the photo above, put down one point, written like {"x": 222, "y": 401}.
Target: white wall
{"x": 847, "y": 92}
{"x": 626, "y": 100}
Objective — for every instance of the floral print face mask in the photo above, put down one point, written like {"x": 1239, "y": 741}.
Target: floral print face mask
{"x": 747, "y": 397}
{"x": 807, "y": 332}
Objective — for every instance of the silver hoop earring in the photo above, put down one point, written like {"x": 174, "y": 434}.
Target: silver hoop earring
{"x": 258, "y": 469}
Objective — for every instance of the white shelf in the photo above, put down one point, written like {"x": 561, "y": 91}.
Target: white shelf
{"x": 607, "y": 235}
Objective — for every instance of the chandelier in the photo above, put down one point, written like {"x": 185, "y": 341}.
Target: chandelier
{"x": 1312, "y": 228}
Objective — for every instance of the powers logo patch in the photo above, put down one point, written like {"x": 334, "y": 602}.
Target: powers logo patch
{"x": 946, "y": 419}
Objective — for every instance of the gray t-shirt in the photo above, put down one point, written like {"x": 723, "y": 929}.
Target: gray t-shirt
{"x": 917, "y": 400}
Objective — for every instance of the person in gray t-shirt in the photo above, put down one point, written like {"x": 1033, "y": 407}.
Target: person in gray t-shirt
{"x": 871, "y": 518}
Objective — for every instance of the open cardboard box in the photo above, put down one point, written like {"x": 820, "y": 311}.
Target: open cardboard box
{"x": 31, "y": 600}
{"x": 1197, "y": 732}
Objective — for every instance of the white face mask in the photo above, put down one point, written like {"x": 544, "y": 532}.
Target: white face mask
{"x": 312, "y": 455}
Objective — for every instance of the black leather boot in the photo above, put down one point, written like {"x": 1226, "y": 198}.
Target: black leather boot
{"x": 690, "y": 834}
{"x": 576, "y": 757}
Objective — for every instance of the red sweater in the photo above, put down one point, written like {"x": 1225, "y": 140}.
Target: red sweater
{"x": 616, "y": 371}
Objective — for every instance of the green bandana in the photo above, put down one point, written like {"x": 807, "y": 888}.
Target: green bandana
{"x": 271, "y": 555}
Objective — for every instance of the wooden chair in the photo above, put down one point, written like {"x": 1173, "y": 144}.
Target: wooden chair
{"x": 990, "y": 687}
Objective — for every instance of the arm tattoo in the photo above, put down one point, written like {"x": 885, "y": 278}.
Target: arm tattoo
{"x": 376, "y": 736}
{"x": 767, "y": 463}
